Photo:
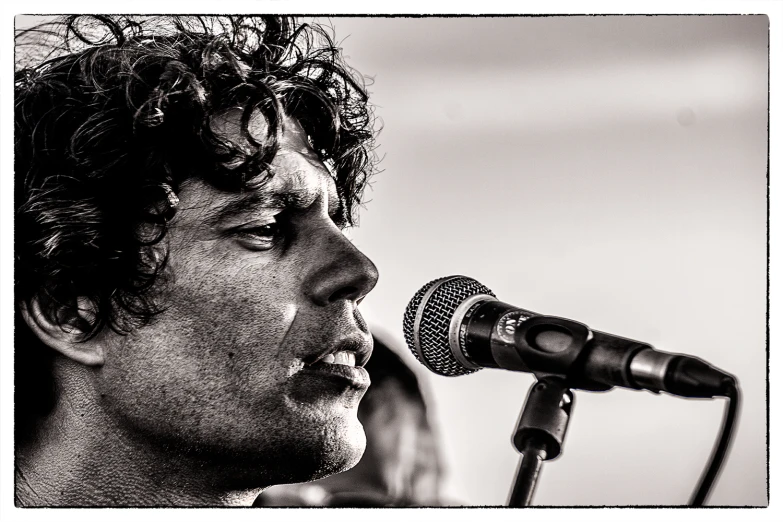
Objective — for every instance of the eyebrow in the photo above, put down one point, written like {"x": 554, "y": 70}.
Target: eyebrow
{"x": 248, "y": 202}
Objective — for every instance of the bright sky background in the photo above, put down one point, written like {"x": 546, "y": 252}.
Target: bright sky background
{"x": 606, "y": 169}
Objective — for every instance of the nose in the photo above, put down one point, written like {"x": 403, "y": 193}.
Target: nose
{"x": 342, "y": 271}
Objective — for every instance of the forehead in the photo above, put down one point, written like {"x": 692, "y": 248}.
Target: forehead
{"x": 294, "y": 145}
{"x": 298, "y": 175}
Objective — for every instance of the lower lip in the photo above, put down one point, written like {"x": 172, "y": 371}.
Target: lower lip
{"x": 354, "y": 376}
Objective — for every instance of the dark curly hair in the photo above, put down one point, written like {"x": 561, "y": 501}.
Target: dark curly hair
{"x": 112, "y": 114}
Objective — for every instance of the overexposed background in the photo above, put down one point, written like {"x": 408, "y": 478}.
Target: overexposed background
{"x": 610, "y": 170}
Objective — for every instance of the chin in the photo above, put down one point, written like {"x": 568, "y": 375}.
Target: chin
{"x": 340, "y": 450}
{"x": 309, "y": 455}
{"x": 315, "y": 450}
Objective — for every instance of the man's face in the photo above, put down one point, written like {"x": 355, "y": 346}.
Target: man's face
{"x": 261, "y": 285}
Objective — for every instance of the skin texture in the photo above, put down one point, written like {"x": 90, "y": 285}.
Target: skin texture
{"x": 401, "y": 465}
{"x": 215, "y": 399}
{"x": 399, "y": 468}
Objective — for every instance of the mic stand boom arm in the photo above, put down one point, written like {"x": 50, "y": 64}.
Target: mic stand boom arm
{"x": 539, "y": 434}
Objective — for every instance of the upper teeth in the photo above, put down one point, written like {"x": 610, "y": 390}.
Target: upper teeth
{"x": 346, "y": 358}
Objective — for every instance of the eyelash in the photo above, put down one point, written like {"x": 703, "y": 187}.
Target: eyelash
{"x": 261, "y": 237}
{"x": 268, "y": 235}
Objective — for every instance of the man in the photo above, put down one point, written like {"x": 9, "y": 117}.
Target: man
{"x": 187, "y": 329}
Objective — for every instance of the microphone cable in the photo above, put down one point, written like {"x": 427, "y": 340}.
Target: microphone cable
{"x": 710, "y": 473}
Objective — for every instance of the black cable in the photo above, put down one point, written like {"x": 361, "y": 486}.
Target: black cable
{"x": 719, "y": 452}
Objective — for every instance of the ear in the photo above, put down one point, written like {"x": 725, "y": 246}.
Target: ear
{"x": 65, "y": 336}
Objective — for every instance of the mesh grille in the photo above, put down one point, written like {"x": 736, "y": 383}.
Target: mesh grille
{"x": 410, "y": 316}
{"x": 435, "y": 319}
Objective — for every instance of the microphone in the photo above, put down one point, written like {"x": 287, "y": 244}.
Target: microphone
{"x": 456, "y": 326}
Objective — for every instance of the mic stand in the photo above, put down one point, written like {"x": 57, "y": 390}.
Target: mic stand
{"x": 540, "y": 433}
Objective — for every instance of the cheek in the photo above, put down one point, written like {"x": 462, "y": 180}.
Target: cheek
{"x": 234, "y": 302}
{"x": 196, "y": 388}
{"x": 221, "y": 287}
{"x": 217, "y": 354}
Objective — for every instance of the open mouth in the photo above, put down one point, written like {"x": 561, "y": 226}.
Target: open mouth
{"x": 350, "y": 353}
{"x": 342, "y": 357}
{"x": 343, "y": 364}
{"x": 344, "y": 374}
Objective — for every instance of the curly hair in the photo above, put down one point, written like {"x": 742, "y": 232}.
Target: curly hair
{"x": 112, "y": 114}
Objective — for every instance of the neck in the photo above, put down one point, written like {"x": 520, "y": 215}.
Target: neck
{"x": 80, "y": 457}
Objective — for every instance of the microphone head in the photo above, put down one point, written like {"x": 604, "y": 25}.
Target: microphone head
{"x": 428, "y": 319}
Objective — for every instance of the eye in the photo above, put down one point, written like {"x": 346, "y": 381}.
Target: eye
{"x": 259, "y": 237}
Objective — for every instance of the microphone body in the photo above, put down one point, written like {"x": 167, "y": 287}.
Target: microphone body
{"x": 455, "y": 326}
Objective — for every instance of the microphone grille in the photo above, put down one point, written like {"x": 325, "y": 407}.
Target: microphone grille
{"x": 430, "y": 312}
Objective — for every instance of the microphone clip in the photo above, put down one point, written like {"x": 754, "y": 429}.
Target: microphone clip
{"x": 540, "y": 433}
